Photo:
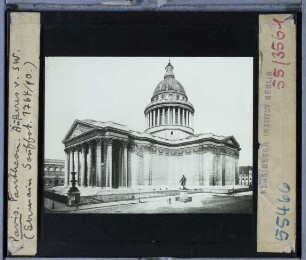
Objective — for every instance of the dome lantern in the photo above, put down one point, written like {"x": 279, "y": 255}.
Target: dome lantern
{"x": 169, "y": 70}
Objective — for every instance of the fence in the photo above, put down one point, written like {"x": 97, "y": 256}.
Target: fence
{"x": 136, "y": 196}
{"x": 86, "y": 200}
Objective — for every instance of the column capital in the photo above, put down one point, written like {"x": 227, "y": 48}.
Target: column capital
{"x": 78, "y": 147}
{"x": 109, "y": 141}
{"x": 125, "y": 144}
{"x": 98, "y": 141}
{"x": 70, "y": 149}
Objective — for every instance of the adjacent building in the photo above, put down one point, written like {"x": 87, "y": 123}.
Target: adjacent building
{"x": 54, "y": 174}
{"x": 110, "y": 155}
{"x": 245, "y": 175}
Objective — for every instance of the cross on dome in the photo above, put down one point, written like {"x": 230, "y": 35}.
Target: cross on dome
{"x": 169, "y": 70}
{"x": 169, "y": 83}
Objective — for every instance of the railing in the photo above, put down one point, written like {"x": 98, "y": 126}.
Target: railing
{"x": 135, "y": 196}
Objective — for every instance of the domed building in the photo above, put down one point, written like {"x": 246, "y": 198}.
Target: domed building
{"x": 111, "y": 156}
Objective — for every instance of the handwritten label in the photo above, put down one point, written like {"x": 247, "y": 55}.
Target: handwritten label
{"x": 23, "y": 132}
{"x": 281, "y": 212}
{"x": 276, "y": 217}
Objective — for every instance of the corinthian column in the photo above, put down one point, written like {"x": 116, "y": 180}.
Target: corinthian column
{"x": 76, "y": 163}
{"x": 66, "y": 168}
{"x": 125, "y": 166}
{"x": 179, "y": 116}
{"x": 158, "y": 116}
{"x": 173, "y": 116}
{"x": 164, "y": 117}
{"x": 151, "y": 118}
{"x": 83, "y": 166}
{"x": 98, "y": 164}
{"x": 154, "y": 119}
{"x": 109, "y": 162}
{"x": 71, "y": 165}
{"x": 168, "y": 116}
{"x": 89, "y": 166}
{"x": 188, "y": 123}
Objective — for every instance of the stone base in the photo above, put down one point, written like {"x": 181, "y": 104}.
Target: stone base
{"x": 73, "y": 198}
{"x": 184, "y": 196}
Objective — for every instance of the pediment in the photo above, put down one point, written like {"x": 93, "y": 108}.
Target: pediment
{"x": 232, "y": 141}
{"x": 77, "y": 129}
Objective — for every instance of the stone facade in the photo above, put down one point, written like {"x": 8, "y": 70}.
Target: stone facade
{"x": 245, "y": 175}
{"x": 109, "y": 155}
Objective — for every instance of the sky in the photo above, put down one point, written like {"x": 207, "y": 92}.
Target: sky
{"x": 119, "y": 88}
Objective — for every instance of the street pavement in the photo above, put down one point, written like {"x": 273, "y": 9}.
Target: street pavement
{"x": 201, "y": 203}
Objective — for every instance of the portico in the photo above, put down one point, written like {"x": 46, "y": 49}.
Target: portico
{"x": 99, "y": 162}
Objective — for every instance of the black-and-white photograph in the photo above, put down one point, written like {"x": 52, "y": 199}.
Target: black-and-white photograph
{"x": 148, "y": 135}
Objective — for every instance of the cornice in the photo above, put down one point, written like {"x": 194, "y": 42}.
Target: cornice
{"x": 128, "y": 135}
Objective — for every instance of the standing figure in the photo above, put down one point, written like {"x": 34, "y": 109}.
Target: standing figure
{"x": 183, "y": 181}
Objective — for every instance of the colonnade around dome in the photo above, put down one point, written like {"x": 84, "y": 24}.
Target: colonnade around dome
{"x": 169, "y": 115}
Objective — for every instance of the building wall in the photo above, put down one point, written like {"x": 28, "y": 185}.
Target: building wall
{"x": 245, "y": 175}
{"x": 160, "y": 169}
{"x": 172, "y": 134}
{"x": 54, "y": 172}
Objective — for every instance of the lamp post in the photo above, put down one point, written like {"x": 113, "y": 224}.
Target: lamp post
{"x": 139, "y": 196}
{"x": 73, "y": 193}
{"x": 57, "y": 178}
{"x": 53, "y": 206}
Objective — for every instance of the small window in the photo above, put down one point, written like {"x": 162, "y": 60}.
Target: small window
{"x": 171, "y": 133}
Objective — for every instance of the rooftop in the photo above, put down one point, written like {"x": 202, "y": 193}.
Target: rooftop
{"x": 142, "y": 135}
